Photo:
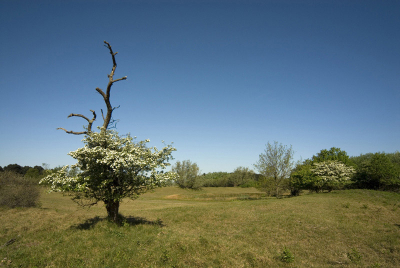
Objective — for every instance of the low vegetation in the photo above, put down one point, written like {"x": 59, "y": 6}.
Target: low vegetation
{"x": 213, "y": 227}
{"x": 18, "y": 191}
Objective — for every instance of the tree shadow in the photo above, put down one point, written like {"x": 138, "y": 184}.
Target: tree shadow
{"x": 88, "y": 224}
{"x": 124, "y": 221}
{"x": 398, "y": 225}
{"x": 139, "y": 220}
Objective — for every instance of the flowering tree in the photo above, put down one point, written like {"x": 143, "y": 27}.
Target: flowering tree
{"x": 331, "y": 175}
{"x": 112, "y": 167}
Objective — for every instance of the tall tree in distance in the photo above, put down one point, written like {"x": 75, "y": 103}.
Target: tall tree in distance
{"x": 276, "y": 164}
{"x": 111, "y": 167}
{"x": 188, "y": 174}
{"x": 334, "y": 154}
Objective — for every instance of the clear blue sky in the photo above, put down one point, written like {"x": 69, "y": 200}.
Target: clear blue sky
{"x": 220, "y": 79}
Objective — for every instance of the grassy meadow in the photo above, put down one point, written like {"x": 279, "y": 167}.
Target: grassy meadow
{"x": 213, "y": 227}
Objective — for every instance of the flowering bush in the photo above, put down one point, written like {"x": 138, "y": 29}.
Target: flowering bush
{"x": 112, "y": 168}
{"x": 321, "y": 176}
{"x": 331, "y": 175}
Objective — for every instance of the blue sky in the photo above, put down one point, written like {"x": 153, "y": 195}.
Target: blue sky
{"x": 220, "y": 79}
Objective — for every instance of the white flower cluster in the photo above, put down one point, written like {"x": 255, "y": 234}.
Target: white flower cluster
{"x": 114, "y": 167}
{"x": 333, "y": 171}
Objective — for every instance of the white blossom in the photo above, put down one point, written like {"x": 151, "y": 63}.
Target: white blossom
{"x": 332, "y": 174}
{"x": 113, "y": 167}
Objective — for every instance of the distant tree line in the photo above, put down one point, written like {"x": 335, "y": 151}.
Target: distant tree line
{"x": 277, "y": 173}
{"x": 33, "y": 172}
{"x": 328, "y": 170}
{"x": 37, "y": 172}
{"x": 190, "y": 177}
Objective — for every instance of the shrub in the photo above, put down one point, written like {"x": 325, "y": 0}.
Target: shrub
{"x": 320, "y": 176}
{"x": 17, "y": 191}
{"x": 378, "y": 172}
{"x": 216, "y": 179}
{"x": 188, "y": 175}
{"x": 268, "y": 185}
{"x": 242, "y": 176}
{"x": 287, "y": 256}
{"x": 332, "y": 175}
{"x": 354, "y": 256}
{"x": 301, "y": 178}
{"x": 276, "y": 164}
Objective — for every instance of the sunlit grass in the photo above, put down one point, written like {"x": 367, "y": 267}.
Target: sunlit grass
{"x": 214, "y": 227}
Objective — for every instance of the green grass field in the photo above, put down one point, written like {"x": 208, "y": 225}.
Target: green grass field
{"x": 214, "y": 227}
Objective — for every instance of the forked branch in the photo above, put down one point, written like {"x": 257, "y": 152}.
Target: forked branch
{"x": 106, "y": 97}
{"x": 90, "y": 123}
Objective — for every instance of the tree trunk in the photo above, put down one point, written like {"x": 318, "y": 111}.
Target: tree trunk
{"x": 112, "y": 210}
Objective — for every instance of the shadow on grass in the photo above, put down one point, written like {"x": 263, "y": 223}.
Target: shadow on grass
{"x": 130, "y": 221}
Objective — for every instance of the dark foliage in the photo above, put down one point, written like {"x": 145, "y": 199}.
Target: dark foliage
{"x": 378, "y": 171}
{"x": 334, "y": 154}
{"x": 15, "y": 168}
{"x": 22, "y": 170}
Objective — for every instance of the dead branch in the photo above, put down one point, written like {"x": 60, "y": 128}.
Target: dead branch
{"x": 90, "y": 123}
{"x": 106, "y": 97}
{"x": 111, "y": 81}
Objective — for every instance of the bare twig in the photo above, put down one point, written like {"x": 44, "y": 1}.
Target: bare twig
{"x": 90, "y": 123}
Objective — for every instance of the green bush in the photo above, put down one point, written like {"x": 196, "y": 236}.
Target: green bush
{"x": 270, "y": 187}
{"x": 188, "y": 175}
{"x": 17, "y": 191}
{"x": 301, "y": 178}
{"x": 216, "y": 179}
{"x": 378, "y": 172}
{"x": 287, "y": 256}
{"x": 242, "y": 176}
{"x": 321, "y": 176}
{"x": 354, "y": 256}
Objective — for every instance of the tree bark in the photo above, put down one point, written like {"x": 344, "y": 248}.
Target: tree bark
{"x": 112, "y": 210}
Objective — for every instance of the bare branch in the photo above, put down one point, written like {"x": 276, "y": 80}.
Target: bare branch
{"x": 106, "y": 97}
{"x": 111, "y": 80}
{"x": 119, "y": 79}
{"x": 111, "y": 52}
{"x": 73, "y": 132}
{"x": 79, "y": 115}
{"x": 101, "y": 92}
{"x": 90, "y": 123}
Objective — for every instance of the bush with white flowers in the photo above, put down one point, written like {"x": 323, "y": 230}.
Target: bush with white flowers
{"x": 331, "y": 175}
{"x": 112, "y": 168}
